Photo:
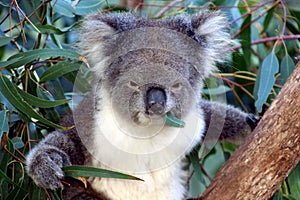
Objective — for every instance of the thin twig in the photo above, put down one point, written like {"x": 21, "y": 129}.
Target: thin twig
{"x": 284, "y": 16}
{"x": 13, "y": 155}
{"x": 234, "y": 83}
{"x": 168, "y": 7}
{"x": 24, "y": 15}
{"x": 251, "y": 11}
{"x": 29, "y": 16}
{"x": 255, "y": 19}
{"x": 283, "y": 37}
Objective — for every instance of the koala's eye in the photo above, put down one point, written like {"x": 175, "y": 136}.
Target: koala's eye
{"x": 133, "y": 85}
{"x": 176, "y": 87}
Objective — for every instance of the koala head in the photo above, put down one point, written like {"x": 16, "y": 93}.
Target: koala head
{"x": 151, "y": 67}
{"x": 148, "y": 88}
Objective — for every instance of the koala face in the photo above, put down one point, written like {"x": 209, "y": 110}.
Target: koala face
{"x": 142, "y": 93}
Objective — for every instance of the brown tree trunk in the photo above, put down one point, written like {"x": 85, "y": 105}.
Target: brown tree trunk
{"x": 258, "y": 167}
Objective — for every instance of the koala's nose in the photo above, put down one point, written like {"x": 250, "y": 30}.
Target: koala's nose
{"x": 155, "y": 101}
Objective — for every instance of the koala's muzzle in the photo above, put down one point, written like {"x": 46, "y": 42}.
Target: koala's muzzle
{"x": 155, "y": 101}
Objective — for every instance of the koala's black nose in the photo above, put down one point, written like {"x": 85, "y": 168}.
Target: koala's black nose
{"x": 155, "y": 101}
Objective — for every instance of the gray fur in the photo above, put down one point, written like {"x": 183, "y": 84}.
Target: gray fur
{"x": 125, "y": 69}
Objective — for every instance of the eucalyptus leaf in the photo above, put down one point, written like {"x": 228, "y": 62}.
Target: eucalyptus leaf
{"x": 85, "y": 171}
{"x": 5, "y": 40}
{"x": 269, "y": 68}
{"x": 287, "y": 66}
{"x": 294, "y": 182}
{"x": 36, "y": 192}
{"x": 17, "y": 142}
{"x": 6, "y": 178}
{"x": 10, "y": 92}
{"x": 38, "y": 102}
{"x": 267, "y": 20}
{"x": 29, "y": 56}
{"x": 6, "y": 157}
{"x": 4, "y": 4}
{"x": 194, "y": 158}
{"x": 85, "y": 7}
{"x": 3, "y": 123}
{"x": 59, "y": 70}
{"x": 49, "y": 29}
{"x": 171, "y": 120}
{"x": 50, "y": 113}
{"x": 246, "y": 40}
{"x": 64, "y": 8}
{"x": 293, "y": 5}
{"x": 216, "y": 91}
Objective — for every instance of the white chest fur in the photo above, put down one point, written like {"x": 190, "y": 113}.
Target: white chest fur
{"x": 165, "y": 184}
{"x": 156, "y": 156}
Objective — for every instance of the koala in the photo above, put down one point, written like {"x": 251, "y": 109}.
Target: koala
{"x": 144, "y": 70}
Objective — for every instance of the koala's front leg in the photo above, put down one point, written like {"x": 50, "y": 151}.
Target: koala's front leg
{"x": 46, "y": 159}
{"x": 227, "y": 122}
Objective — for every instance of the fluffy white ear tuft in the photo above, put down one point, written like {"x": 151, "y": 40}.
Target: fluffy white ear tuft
{"x": 93, "y": 36}
{"x": 211, "y": 28}
{"x": 97, "y": 36}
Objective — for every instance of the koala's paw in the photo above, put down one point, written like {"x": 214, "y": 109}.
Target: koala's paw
{"x": 44, "y": 166}
{"x": 252, "y": 121}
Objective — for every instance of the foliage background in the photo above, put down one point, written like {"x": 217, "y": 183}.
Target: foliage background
{"x": 39, "y": 63}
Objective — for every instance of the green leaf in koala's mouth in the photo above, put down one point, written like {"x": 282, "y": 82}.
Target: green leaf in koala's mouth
{"x": 171, "y": 120}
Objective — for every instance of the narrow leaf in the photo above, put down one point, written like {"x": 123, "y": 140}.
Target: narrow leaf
{"x": 87, "y": 7}
{"x": 4, "y": 4}
{"x": 50, "y": 113}
{"x": 196, "y": 165}
{"x": 85, "y": 171}
{"x": 10, "y": 92}
{"x": 17, "y": 142}
{"x": 287, "y": 66}
{"x": 6, "y": 158}
{"x": 36, "y": 192}
{"x": 246, "y": 40}
{"x": 216, "y": 91}
{"x": 49, "y": 29}
{"x": 7, "y": 179}
{"x": 3, "y": 123}
{"x": 64, "y": 8}
{"x": 4, "y": 40}
{"x": 38, "y": 102}
{"x": 268, "y": 70}
{"x": 171, "y": 120}
{"x": 59, "y": 70}
{"x": 29, "y": 56}
{"x": 294, "y": 182}
{"x": 268, "y": 20}
{"x": 293, "y": 5}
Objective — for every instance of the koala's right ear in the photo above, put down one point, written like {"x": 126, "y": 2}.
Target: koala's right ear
{"x": 97, "y": 34}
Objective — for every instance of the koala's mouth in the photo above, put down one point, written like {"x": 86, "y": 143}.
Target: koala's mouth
{"x": 146, "y": 118}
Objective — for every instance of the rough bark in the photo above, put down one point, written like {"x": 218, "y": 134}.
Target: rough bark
{"x": 257, "y": 169}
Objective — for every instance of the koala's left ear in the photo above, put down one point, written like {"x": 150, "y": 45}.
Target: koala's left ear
{"x": 211, "y": 31}
{"x": 97, "y": 34}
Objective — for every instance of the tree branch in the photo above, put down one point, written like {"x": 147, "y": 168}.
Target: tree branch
{"x": 264, "y": 40}
{"x": 257, "y": 169}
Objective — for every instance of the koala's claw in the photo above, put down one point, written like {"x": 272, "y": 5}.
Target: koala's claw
{"x": 45, "y": 166}
{"x": 252, "y": 121}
